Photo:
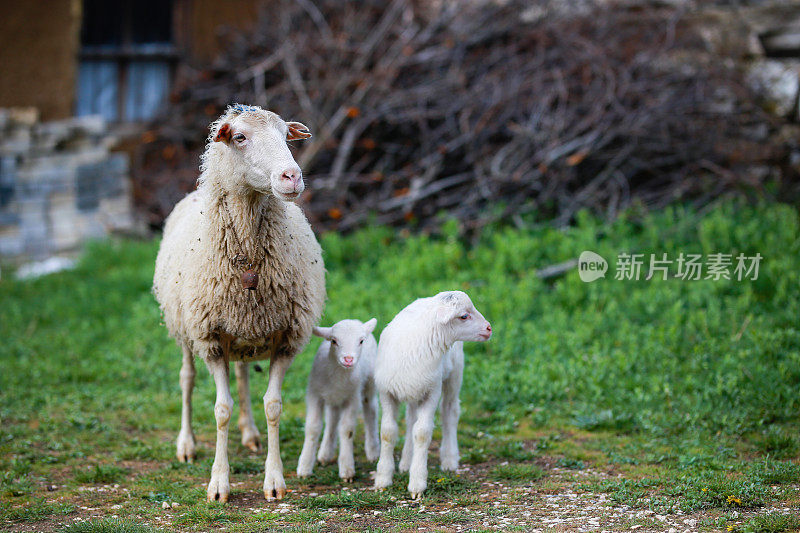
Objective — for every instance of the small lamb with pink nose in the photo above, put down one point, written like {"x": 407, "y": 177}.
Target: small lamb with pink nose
{"x": 341, "y": 383}
{"x": 420, "y": 359}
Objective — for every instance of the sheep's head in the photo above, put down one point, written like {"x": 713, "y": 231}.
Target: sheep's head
{"x": 459, "y": 319}
{"x": 347, "y": 339}
{"x": 249, "y": 143}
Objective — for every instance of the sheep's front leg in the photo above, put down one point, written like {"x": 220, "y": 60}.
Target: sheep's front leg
{"x": 274, "y": 485}
{"x": 423, "y": 429}
{"x": 385, "y": 470}
{"x": 250, "y": 437}
{"x": 370, "y": 408}
{"x": 220, "y": 486}
{"x": 314, "y": 407}
{"x": 327, "y": 451}
{"x": 346, "y": 428}
{"x": 408, "y": 445}
{"x": 448, "y": 454}
{"x": 186, "y": 443}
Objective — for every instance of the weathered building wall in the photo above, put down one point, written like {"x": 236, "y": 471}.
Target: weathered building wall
{"x": 201, "y": 24}
{"x": 39, "y": 44}
{"x": 59, "y": 184}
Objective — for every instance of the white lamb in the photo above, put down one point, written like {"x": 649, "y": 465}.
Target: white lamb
{"x": 341, "y": 383}
{"x": 239, "y": 277}
{"x": 420, "y": 358}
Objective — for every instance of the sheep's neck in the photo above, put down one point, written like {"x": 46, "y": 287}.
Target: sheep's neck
{"x": 243, "y": 220}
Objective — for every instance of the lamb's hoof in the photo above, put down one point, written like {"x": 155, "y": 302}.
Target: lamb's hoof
{"x": 185, "y": 449}
{"x": 382, "y": 482}
{"x": 218, "y": 490}
{"x": 303, "y": 473}
{"x": 449, "y": 465}
{"x": 326, "y": 459}
{"x": 416, "y": 488}
{"x": 372, "y": 457}
{"x": 274, "y": 486}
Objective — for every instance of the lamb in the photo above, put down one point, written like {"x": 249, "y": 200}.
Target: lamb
{"x": 420, "y": 359}
{"x": 340, "y": 383}
{"x": 239, "y": 277}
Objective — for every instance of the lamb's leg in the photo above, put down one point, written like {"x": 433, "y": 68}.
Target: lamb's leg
{"x": 448, "y": 454}
{"x": 423, "y": 429}
{"x": 327, "y": 450}
{"x": 250, "y": 436}
{"x": 408, "y": 445}
{"x": 274, "y": 485}
{"x": 370, "y": 408}
{"x": 220, "y": 487}
{"x": 346, "y": 428}
{"x": 314, "y": 408}
{"x": 385, "y": 470}
{"x": 186, "y": 443}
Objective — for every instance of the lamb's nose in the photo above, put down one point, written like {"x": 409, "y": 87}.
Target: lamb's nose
{"x": 488, "y": 327}
{"x": 348, "y": 360}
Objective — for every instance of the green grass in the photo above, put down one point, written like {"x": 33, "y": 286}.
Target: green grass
{"x": 108, "y": 526}
{"x": 770, "y": 523}
{"x": 678, "y": 386}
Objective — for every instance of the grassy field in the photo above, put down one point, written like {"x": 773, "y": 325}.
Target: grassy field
{"x": 616, "y": 404}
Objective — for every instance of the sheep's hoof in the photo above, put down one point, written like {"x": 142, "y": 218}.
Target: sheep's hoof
{"x": 274, "y": 494}
{"x": 253, "y": 444}
{"x": 382, "y": 482}
{"x": 274, "y": 485}
{"x": 348, "y": 479}
{"x": 185, "y": 449}
{"x": 218, "y": 490}
{"x": 416, "y": 495}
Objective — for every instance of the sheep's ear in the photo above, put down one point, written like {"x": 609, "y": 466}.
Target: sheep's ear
{"x": 325, "y": 333}
{"x": 369, "y": 325}
{"x": 445, "y": 313}
{"x": 297, "y": 131}
{"x": 223, "y": 133}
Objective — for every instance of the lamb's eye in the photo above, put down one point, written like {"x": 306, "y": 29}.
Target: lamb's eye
{"x": 239, "y": 137}
{"x": 361, "y": 341}
{"x": 464, "y": 316}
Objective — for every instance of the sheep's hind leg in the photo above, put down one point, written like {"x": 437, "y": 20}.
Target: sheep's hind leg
{"x": 346, "y": 428}
{"x": 250, "y": 437}
{"x": 423, "y": 429}
{"x": 274, "y": 484}
{"x": 219, "y": 487}
{"x": 186, "y": 443}
{"x": 408, "y": 445}
{"x": 327, "y": 450}
{"x": 314, "y": 407}
{"x": 385, "y": 470}
{"x": 448, "y": 453}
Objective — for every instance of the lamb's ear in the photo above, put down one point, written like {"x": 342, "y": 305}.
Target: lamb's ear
{"x": 445, "y": 313}
{"x": 223, "y": 133}
{"x": 297, "y": 131}
{"x": 325, "y": 333}
{"x": 369, "y": 325}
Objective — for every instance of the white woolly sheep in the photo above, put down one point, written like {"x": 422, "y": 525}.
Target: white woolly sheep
{"x": 420, "y": 359}
{"x": 341, "y": 383}
{"x": 239, "y": 277}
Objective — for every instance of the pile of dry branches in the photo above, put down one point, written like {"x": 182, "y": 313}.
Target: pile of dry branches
{"x": 481, "y": 109}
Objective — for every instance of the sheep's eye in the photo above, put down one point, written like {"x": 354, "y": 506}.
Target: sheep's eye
{"x": 464, "y": 316}
{"x": 333, "y": 341}
{"x": 239, "y": 137}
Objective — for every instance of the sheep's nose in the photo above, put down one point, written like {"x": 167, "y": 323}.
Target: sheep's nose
{"x": 294, "y": 177}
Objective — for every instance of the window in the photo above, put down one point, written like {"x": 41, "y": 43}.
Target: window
{"x": 126, "y": 60}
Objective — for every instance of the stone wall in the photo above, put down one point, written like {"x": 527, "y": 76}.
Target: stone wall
{"x": 59, "y": 184}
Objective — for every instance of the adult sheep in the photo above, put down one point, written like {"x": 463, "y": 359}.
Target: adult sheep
{"x": 240, "y": 278}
